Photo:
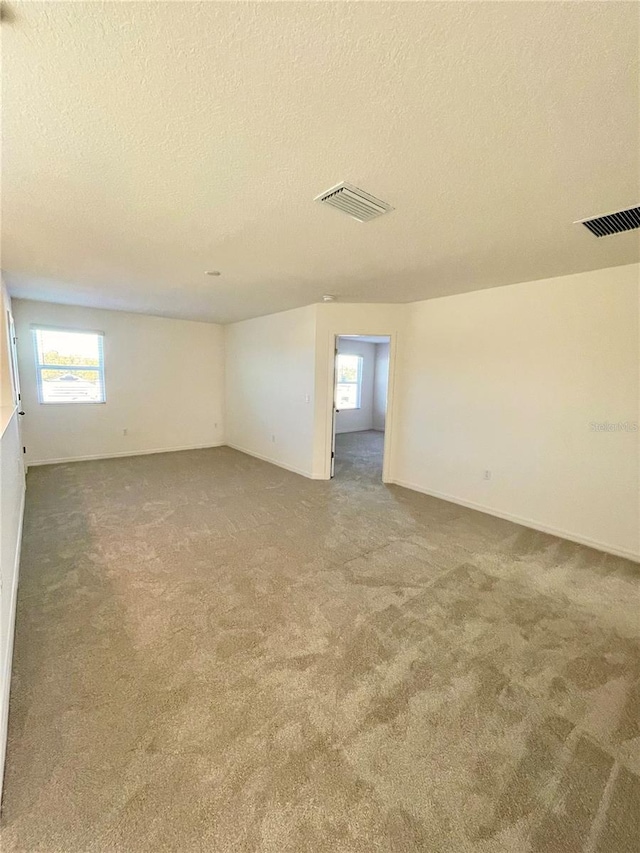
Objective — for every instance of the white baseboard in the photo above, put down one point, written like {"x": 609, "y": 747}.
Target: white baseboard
{"x": 8, "y": 660}
{"x": 64, "y": 459}
{"x": 525, "y": 522}
{"x": 271, "y": 461}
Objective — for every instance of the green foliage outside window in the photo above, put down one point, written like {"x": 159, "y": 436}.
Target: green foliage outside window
{"x": 54, "y": 357}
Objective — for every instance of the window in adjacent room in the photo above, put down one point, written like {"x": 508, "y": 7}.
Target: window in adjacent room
{"x": 69, "y": 366}
{"x": 349, "y": 384}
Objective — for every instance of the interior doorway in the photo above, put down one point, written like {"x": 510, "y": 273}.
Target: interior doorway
{"x": 361, "y": 382}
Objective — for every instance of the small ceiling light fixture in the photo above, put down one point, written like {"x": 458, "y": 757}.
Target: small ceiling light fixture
{"x": 213, "y": 272}
{"x": 328, "y": 297}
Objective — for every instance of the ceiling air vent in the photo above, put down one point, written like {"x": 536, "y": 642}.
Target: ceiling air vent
{"x": 612, "y": 223}
{"x": 354, "y": 202}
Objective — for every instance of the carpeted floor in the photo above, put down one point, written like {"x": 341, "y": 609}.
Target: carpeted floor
{"x": 213, "y": 654}
{"x": 359, "y": 456}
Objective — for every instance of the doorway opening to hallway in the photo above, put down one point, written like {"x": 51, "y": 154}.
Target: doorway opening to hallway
{"x": 361, "y": 381}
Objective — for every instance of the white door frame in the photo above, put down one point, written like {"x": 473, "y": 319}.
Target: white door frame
{"x": 15, "y": 377}
{"x": 334, "y": 411}
{"x": 390, "y": 416}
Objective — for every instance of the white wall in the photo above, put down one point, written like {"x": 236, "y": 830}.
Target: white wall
{"x": 381, "y": 377}
{"x": 351, "y": 420}
{"x": 509, "y": 380}
{"x": 164, "y": 384}
{"x": 12, "y": 489}
{"x": 270, "y": 364}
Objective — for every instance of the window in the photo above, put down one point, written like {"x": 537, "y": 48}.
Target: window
{"x": 349, "y": 382}
{"x": 69, "y": 366}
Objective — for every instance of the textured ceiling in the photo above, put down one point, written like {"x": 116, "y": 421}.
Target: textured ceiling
{"x": 144, "y": 143}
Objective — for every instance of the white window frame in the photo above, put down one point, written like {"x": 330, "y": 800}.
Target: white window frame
{"x": 357, "y": 381}
{"x": 40, "y": 366}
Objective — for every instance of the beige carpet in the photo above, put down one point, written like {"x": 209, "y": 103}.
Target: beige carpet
{"x": 213, "y": 654}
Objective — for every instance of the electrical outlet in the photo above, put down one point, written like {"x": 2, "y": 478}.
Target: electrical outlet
{"x": 273, "y": 439}
{"x": 125, "y": 431}
{"x": 486, "y": 475}
{"x": 215, "y": 426}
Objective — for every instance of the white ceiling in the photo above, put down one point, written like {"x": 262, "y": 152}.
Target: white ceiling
{"x": 145, "y": 143}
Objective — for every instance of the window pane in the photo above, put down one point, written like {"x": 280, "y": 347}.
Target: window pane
{"x": 73, "y": 386}
{"x": 70, "y": 366}
{"x": 347, "y": 396}
{"x": 349, "y": 381}
{"x": 349, "y": 368}
{"x": 55, "y": 347}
